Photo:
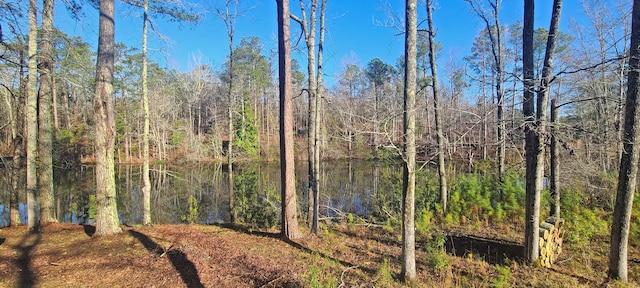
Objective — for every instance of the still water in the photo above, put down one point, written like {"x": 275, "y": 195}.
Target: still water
{"x": 200, "y": 194}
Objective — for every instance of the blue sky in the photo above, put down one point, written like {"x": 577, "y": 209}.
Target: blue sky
{"x": 354, "y": 30}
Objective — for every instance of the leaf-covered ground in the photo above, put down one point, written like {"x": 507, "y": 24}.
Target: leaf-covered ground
{"x": 65, "y": 255}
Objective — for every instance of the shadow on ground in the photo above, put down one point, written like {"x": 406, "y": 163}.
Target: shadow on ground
{"x": 493, "y": 251}
{"x": 89, "y": 230}
{"x": 242, "y": 229}
{"x": 27, "y": 277}
{"x": 185, "y": 268}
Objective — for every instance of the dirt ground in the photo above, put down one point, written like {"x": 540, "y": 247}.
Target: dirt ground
{"x": 65, "y": 255}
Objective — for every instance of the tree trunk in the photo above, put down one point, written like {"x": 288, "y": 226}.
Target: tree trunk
{"x": 532, "y": 194}
{"x": 497, "y": 54}
{"x": 54, "y": 103}
{"x": 409, "y": 175}
{"x": 230, "y": 33}
{"x": 309, "y": 31}
{"x": 317, "y": 131}
{"x": 103, "y": 104}
{"x": 535, "y": 153}
{"x": 629, "y": 161}
{"x": 554, "y": 187}
{"x": 67, "y": 111}
{"x": 18, "y": 147}
{"x": 436, "y": 107}
{"x": 32, "y": 120}
{"x": 543, "y": 92}
{"x": 376, "y": 119}
{"x": 146, "y": 182}
{"x": 45, "y": 127}
{"x": 287, "y": 166}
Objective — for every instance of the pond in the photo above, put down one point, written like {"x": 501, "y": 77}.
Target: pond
{"x": 200, "y": 194}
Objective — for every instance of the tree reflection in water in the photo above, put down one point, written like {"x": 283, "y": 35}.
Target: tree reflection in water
{"x": 360, "y": 188}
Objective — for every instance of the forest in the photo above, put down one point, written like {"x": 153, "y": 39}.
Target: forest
{"x": 513, "y": 165}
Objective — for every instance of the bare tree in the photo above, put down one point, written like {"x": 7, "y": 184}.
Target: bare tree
{"x": 287, "y": 166}
{"x": 629, "y": 162}
{"x": 543, "y": 89}
{"x": 45, "y": 126}
{"x": 229, "y": 13}
{"x": 103, "y": 103}
{"x": 532, "y": 197}
{"x": 319, "y": 128}
{"x": 436, "y": 107}
{"x": 535, "y": 139}
{"x": 554, "y": 167}
{"x": 409, "y": 153}
{"x": 32, "y": 119}
{"x": 18, "y": 143}
{"x": 176, "y": 14}
{"x": 495, "y": 36}
{"x": 315, "y": 101}
{"x": 146, "y": 181}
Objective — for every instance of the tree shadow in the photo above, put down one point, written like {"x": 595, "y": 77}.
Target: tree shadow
{"x": 493, "y": 251}
{"x": 27, "y": 277}
{"x": 89, "y": 229}
{"x": 279, "y": 236}
{"x": 178, "y": 259}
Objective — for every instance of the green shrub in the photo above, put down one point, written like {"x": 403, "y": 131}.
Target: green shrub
{"x": 252, "y": 207}
{"x": 246, "y": 138}
{"x": 93, "y": 207}
{"x": 635, "y": 221}
{"x": 192, "y": 216}
{"x": 504, "y": 277}
{"x": 350, "y": 218}
{"x": 384, "y": 275}
{"x": 473, "y": 197}
{"x": 313, "y": 277}
{"x": 423, "y": 223}
{"x": 390, "y": 225}
{"x": 436, "y": 256}
{"x": 583, "y": 222}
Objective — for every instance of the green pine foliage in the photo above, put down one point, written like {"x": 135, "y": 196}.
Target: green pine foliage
{"x": 479, "y": 198}
{"x": 193, "y": 214}
{"x": 472, "y": 198}
{"x": 585, "y": 222}
{"x": 504, "y": 276}
{"x": 246, "y": 133}
{"x": 436, "y": 256}
{"x": 255, "y": 205}
{"x": 69, "y": 145}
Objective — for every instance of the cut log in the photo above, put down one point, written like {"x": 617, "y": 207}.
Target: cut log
{"x": 548, "y": 226}
{"x": 557, "y": 222}
{"x": 551, "y": 235}
{"x": 544, "y": 234}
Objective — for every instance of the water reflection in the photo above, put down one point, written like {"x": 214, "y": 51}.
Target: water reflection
{"x": 199, "y": 194}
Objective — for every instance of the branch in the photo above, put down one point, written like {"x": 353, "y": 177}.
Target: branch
{"x": 581, "y": 100}
{"x": 295, "y": 18}
{"x": 342, "y": 283}
{"x": 301, "y": 91}
{"x": 591, "y": 67}
{"x": 8, "y": 89}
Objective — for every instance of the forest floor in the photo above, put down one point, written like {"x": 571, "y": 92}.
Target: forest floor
{"x": 65, "y": 255}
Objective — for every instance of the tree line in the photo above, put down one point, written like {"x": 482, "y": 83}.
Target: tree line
{"x": 523, "y": 98}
